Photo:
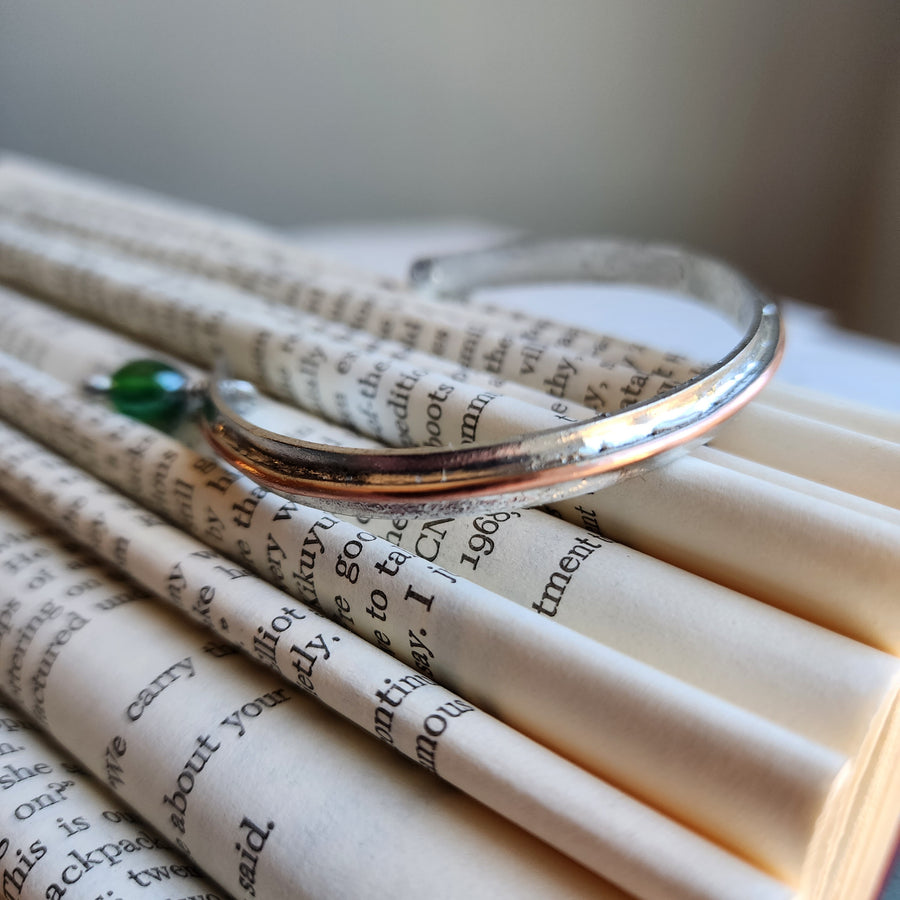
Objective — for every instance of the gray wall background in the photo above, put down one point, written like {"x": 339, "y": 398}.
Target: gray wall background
{"x": 767, "y": 132}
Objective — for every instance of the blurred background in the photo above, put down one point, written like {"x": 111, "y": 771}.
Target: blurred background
{"x": 763, "y": 131}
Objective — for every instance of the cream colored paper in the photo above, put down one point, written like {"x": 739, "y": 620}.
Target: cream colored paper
{"x": 115, "y": 527}
{"x": 129, "y": 218}
{"x": 831, "y": 565}
{"x": 549, "y": 682}
{"x": 143, "y": 224}
{"x": 843, "y": 459}
{"x": 257, "y": 782}
{"x": 63, "y": 835}
{"x": 538, "y": 352}
{"x": 73, "y": 506}
{"x": 858, "y": 779}
{"x": 700, "y": 632}
{"x": 323, "y": 368}
{"x": 797, "y": 483}
{"x": 352, "y": 386}
{"x": 859, "y": 417}
{"x": 564, "y": 805}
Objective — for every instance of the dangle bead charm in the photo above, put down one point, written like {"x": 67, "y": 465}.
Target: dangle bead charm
{"x": 161, "y": 395}
{"x": 151, "y": 391}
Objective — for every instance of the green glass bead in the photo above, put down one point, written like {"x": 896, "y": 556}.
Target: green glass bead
{"x": 150, "y": 391}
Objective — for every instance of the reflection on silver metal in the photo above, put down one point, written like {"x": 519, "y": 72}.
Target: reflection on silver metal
{"x": 533, "y": 468}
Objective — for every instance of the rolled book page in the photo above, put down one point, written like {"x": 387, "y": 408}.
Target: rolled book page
{"x": 877, "y": 423}
{"x": 30, "y": 326}
{"x": 108, "y": 213}
{"x": 243, "y": 773}
{"x": 863, "y": 779}
{"x": 790, "y": 549}
{"x": 190, "y": 238}
{"x": 315, "y": 366}
{"x": 71, "y": 501}
{"x": 71, "y": 504}
{"x": 686, "y": 626}
{"x": 514, "y": 348}
{"x": 406, "y": 710}
{"x": 810, "y": 706}
{"x": 844, "y": 459}
{"x": 130, "y": 218}
{"x": 545, "y": 680}
{"x": 784, "y": 479}
{"x": 64, "y": 834}
{"x": 863, "y": 461}
{"x": 849, "y": 460}
{"x": 65, "y": 346}
{"x": 851, "y": 463}
{"x": 390, "y": 402}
